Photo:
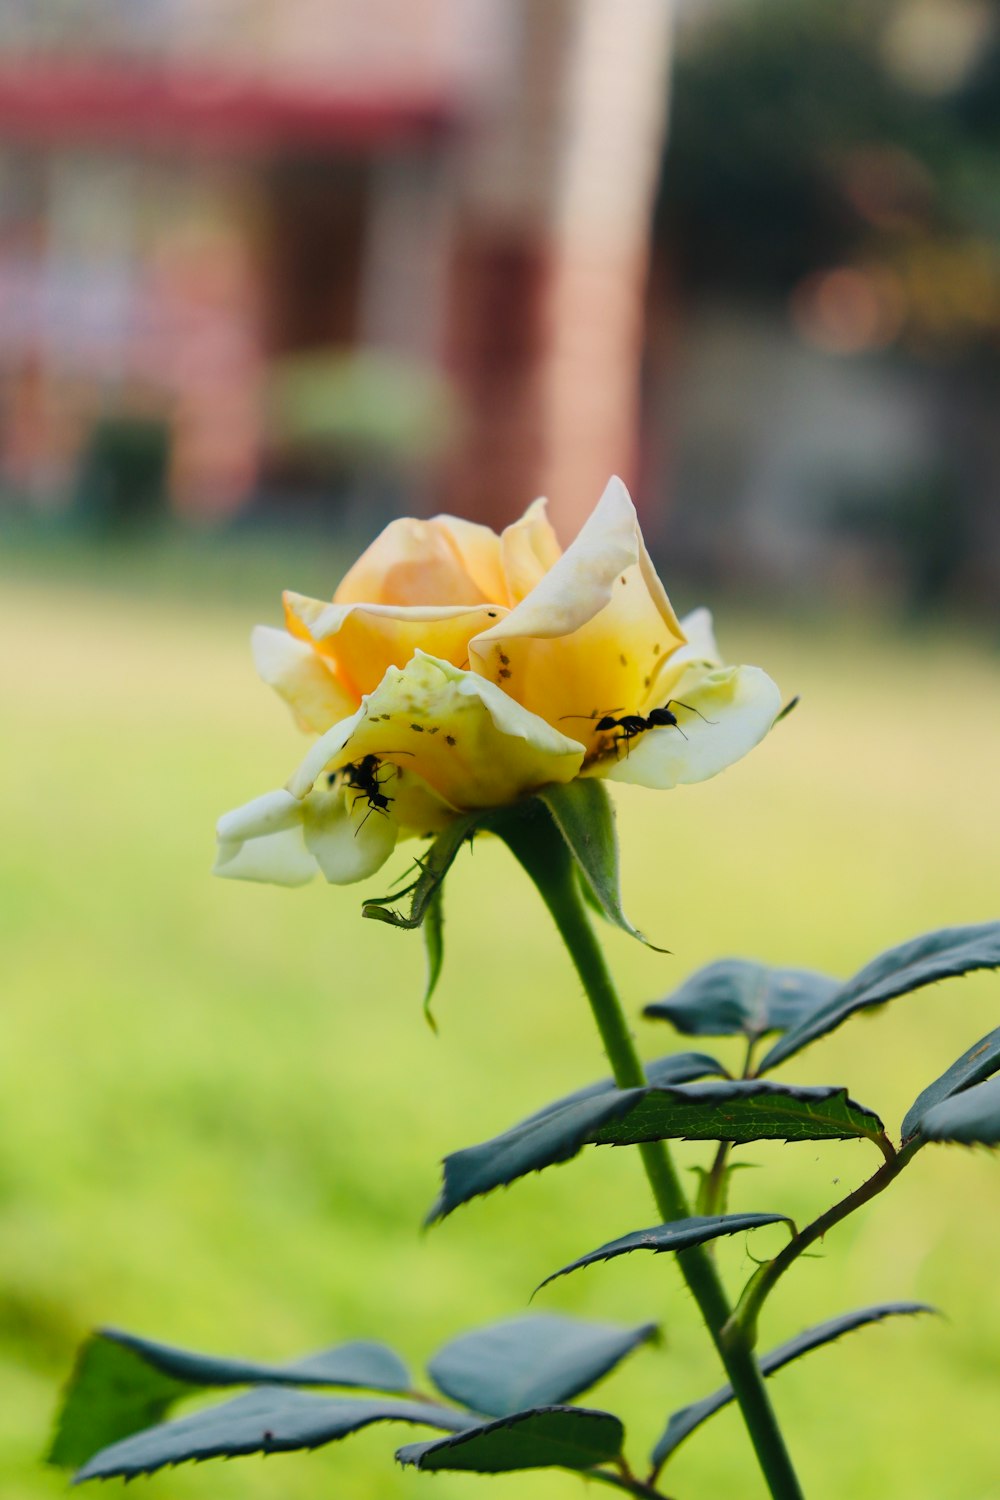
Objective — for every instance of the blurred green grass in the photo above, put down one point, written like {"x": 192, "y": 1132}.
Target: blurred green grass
{"x": 222, "y": 1111}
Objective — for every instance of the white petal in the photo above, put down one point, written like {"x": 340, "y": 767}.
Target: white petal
{"x": 349, "y": 839}
{"x": 739, "y": 705}
{"x": 278, "y": 859}
{"x": 302, "y": 677}
{"x": 325, "y": 754}
{"x": 271, "y": 813}
{"x": 699, "y": 629}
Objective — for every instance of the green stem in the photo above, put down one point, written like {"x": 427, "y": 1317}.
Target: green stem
{"x": 560, "y": 890}
{"x": 764, "y": 1282}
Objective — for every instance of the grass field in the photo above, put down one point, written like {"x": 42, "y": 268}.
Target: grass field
{"x": 222, "y": 1110}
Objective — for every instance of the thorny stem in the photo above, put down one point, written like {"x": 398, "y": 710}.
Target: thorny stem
{"x": 767, "y": 1278}
{"x": 626, "y": 1480}
{"x": 556, "y": 880}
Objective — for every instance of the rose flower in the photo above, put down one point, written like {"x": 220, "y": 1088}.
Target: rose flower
{"x": 458, "y": 670}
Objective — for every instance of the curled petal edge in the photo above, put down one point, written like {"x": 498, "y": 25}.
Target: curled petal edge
{"x": 732, "y": 709}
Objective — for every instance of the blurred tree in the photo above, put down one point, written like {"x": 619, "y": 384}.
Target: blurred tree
{"x": 839, "y": 160}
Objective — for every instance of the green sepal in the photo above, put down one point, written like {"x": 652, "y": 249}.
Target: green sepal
{"x": 432, "y": 867}
{"x": 433, "y": 932}
{"x": 561, "y": 827}
{"x": 685, "y": 1421}
{"x": 269, "y": 1419}
{"x": 552, "y": 1437}
{"x": 924, "y": 960}
{"x": 584, "y": 814}
{"x": 682, "y": 1234}
{"x": 122, "y": 1384}
{"x": 535, "y": 1360}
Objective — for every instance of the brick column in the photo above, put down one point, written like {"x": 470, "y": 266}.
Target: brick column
{"x": 552, "y": 245}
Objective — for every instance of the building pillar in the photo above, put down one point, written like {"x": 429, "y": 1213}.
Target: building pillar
{"x": 551, "y": 259}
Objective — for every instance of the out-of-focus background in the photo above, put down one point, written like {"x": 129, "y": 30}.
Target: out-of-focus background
{"x": 275, "y": 271}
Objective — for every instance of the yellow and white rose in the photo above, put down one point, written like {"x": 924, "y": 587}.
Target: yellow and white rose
{"x": 457, "y": 670}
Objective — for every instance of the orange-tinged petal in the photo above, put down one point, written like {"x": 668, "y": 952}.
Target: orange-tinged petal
{"x": 472, "y": 745}
{"x": 478, "y": 550}
{"x": 589, "y": 639}
{"x": 363, "y": 640}
{"x": 410, "y": 562}
{"x": 529, "y": 548}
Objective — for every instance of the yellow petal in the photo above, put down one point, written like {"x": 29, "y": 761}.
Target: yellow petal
{"x": 363, "y": 640}
{"x": 410, "y": 562}
{"x": 529, "y": 548}
{"x": 478, "y": 550}
{"x": 307, "y": 682}
{"x": 589, "y": 638}
{"x": 722, "y": 713}
{"x": 471, "y": 744}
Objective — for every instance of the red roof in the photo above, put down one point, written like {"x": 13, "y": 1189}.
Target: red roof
{"x": 123, "y": 100}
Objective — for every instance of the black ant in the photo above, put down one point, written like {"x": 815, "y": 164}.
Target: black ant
{"x": 363, "y": 778}
{"x": 631, "y": 725}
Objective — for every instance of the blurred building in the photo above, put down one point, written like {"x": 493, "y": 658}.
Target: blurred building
{"x": 258, "y": 247}
{"x": 402, "y": 255}
{"x": 823, "y": 326}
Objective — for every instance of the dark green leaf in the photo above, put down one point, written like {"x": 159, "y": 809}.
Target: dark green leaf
{"x": 924, "y": 960}
{"x": 531, "y": 1361}
{"x": 742, "y": 1110}
{"x": 584, "y": 814}
{"x": 269, "y": 1419}
{"x": 675, "y": 1067}
{"x": 433, "y": 930}
{"x": 974, "y": 1066}
{"x": 682, "y": 1423}
{"x": 679, "y": 1235}
{"x": 737, "y": 996}
{"x": 551, "y": 1139}
{"x": 432, "y": 867}
{"x": 111, "y": 1393}
{"x": 971, "y": 1118}
{"x": 562, "y": 1437}
{"x": 122, "y": 1384}
{"x": 737, "y": 1110}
